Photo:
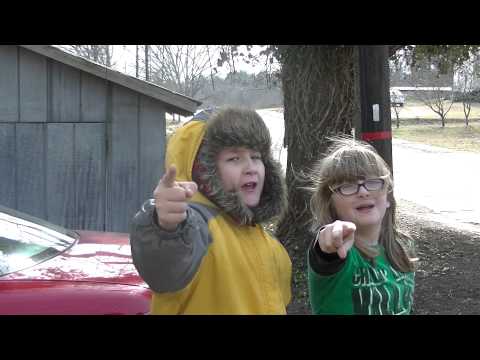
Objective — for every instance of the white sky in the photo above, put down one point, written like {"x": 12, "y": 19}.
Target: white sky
{"x": 124, "y": 59}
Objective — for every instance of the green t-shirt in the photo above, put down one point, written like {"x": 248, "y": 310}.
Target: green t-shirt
{"x": 360, "y": 287}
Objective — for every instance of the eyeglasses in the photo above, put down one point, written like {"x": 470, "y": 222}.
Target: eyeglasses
{"x": 352, "y": 189}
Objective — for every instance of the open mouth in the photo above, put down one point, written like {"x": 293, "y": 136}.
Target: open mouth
{"x": 249, "y": 186}
{"x": 365, "y": 207}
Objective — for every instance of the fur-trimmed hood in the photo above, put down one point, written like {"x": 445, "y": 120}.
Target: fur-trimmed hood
{"x": 201, "y": 139}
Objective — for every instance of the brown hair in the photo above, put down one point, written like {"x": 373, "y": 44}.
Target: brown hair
{"x": 348, "y": 160}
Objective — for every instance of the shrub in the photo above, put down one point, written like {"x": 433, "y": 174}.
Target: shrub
{"x": 473, "y": 96}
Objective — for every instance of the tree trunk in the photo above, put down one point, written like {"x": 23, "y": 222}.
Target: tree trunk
{"x": 96, "y": 53}
{"x": 147, "y": 58}
{"x": 108, "y": 56}
{"x": 466, "y": 111}
{"x": 320, "y": 100}
{"x": 136, "y": 61}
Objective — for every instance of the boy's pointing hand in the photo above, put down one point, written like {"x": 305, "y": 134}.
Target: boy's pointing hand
{"x": 168, "y": 181}
{"x": 171, "y": 199}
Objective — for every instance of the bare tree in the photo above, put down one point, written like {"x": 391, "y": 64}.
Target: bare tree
{"x": 142, "y": 62}
{"x": 436, "y": 99}
{"x": 431, "y": 90}
{"x": 180, "y": 67}
{"x": 396, "y": 109}
{"x": 101, "y": 54}
{"x": 467, "y": 73}
{"x": 228, "y": 54}
{"x": 147, "y": 62}
{"x": 263, "y": 56}
{"x": 137, "y": 61}
{"x": 465, "y": 76}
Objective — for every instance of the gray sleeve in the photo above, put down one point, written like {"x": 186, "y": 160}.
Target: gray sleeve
{"x": 168, "y": 261}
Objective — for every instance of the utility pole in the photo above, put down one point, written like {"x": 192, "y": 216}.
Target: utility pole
{"x": 375, "y": 124}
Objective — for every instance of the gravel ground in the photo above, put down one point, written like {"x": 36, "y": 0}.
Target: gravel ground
{"x": 447, "y": 280}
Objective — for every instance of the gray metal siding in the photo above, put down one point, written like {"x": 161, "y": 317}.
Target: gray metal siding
{"x": 123, "y": 191}
{"x": 65, "y": 93}
{"x": 60, "y": 171}
{"x": 8, "y": 83}
{"x": 93, "y": 99}
{"x": 90, "y": 176}
{"x": 7, "y": 165}
{"x": 30, "y": 159}
{"x": 33, "y": 87}
{"x": 151, "y": 158}
{"x": 76, "y": 150}
{"x": 60, "y": 176}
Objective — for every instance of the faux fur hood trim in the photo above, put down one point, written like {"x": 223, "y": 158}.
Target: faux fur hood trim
{"x": 242, "y": 128}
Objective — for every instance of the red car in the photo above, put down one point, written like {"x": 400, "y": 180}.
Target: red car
{"x": 46, "y": 269}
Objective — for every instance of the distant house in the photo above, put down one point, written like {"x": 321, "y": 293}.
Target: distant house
{"x": 416, "y": 91}
{"x": 80, "y": 145}
{"x": 421, "y": 80}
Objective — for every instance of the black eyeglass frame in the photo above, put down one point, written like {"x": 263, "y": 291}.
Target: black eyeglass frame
{"x": 337, "y": 189}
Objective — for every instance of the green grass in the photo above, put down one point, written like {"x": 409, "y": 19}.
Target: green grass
{"x": 455, "y": 135}
{"x": 420, "y": 124}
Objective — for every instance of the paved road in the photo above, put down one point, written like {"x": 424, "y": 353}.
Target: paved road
{"x": 446, "y": 182}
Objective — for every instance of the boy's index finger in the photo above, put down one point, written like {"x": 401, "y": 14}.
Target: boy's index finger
{"x": 168, "y": 179}
{"x": 190, "y": 187}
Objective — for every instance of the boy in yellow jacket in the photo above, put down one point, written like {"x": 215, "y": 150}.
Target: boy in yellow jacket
{"x": 199, "y": 244}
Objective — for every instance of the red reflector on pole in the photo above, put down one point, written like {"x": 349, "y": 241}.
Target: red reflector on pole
{"x": 376, "y": 135}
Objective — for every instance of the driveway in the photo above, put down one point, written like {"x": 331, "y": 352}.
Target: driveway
{"x": 445, "y": 181}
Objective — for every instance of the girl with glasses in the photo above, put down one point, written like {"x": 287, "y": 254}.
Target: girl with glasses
{"x": 358, "y": 262}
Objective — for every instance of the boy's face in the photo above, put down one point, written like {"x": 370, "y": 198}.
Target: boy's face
{"x": 242, "y": 170}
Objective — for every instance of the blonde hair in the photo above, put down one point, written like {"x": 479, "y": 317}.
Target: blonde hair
{"x": 348, "y": 160}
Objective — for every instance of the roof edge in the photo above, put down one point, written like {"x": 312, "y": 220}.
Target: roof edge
{"x": 175, "y": 102}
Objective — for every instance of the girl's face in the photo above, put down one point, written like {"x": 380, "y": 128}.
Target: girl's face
{"x": 366, "y": 208}
{"x": 242, "y": 170}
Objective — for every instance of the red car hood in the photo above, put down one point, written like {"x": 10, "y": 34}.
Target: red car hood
{"x": 100, "y": 257}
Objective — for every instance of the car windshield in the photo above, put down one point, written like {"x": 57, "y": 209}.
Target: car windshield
{"x": 26, "y": 240}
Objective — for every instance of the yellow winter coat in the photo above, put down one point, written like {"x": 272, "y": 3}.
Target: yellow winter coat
{"x": 245, "y": 270}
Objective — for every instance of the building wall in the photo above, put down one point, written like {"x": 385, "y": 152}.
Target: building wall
{"x": 75, "y": 149}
